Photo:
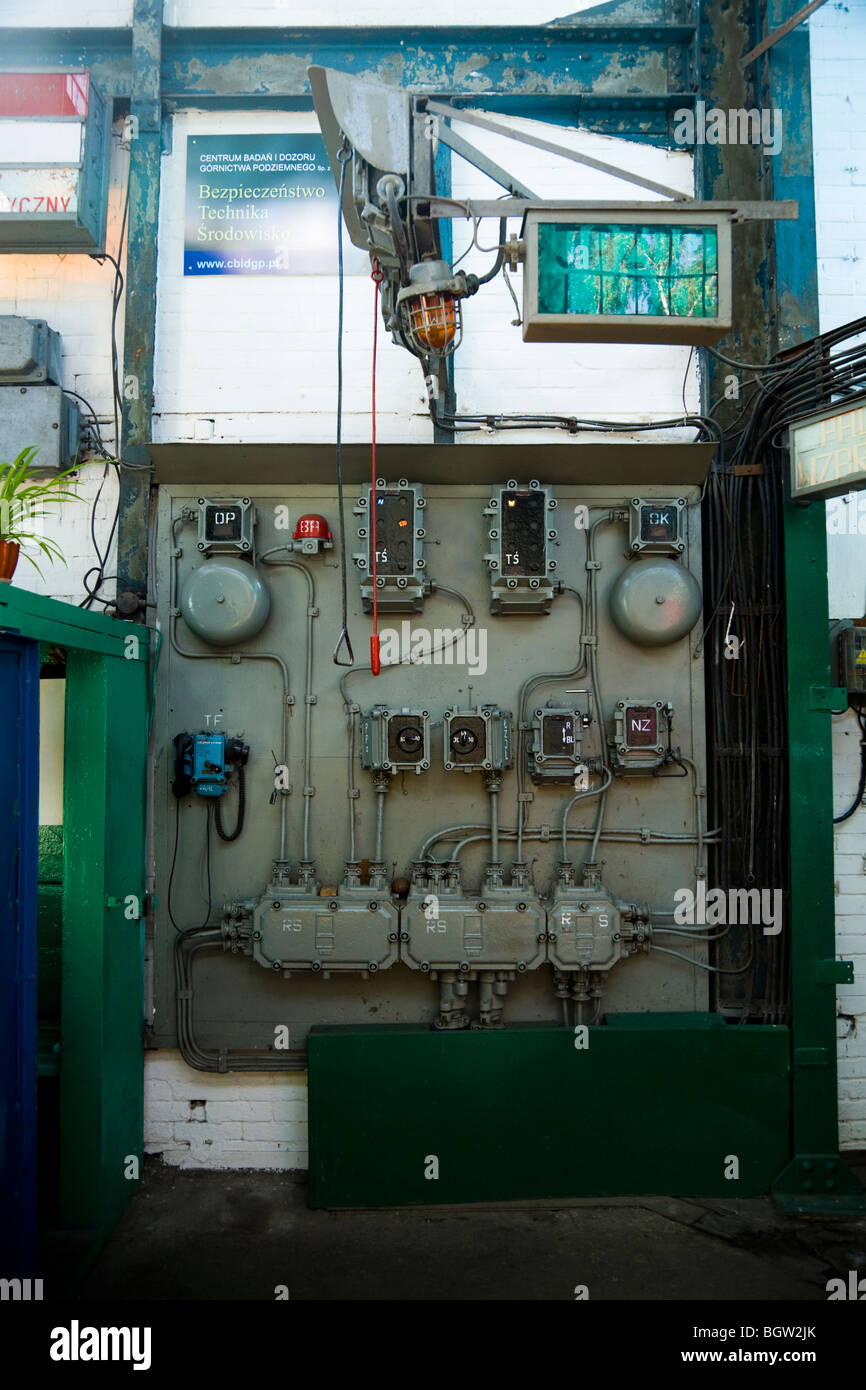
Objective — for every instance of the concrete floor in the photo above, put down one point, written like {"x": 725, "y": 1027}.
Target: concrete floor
{"x": 237, "y": 1235}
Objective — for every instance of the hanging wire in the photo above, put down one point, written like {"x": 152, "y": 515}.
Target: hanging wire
{"x": 344, "y": 154}
{"x": 375, "y": 664}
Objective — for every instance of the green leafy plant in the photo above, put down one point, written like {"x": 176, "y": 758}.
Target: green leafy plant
{"x": 22, "y": 494}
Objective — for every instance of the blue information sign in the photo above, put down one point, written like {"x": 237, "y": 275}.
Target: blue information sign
{"x": 260, "y": 205}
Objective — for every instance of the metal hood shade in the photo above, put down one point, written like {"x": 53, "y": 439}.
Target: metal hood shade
{"x": 376, "y": 120}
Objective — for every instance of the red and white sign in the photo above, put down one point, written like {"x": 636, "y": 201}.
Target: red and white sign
{"x": 32, "y": 191}
{"x": 44, "y": 94}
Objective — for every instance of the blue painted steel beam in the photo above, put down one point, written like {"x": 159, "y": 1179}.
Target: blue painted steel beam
{"x": 626, "y": 61}
{"x": 140, "y": 322}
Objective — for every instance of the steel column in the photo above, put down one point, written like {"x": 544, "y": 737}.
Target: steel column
{"x": 817, "y": 1178}
{"x": 140, "y": 328}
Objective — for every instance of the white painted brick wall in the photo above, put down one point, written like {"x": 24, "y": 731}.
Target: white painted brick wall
{"x": 197, "y": 1119}
{"x": 256, "y": 354}
{"x": 59, "y": 14}
{"x": 348, "y": 13}
{"x": 494, "y": 369}
{"x": 838, "y": 48}
{"x": 307, "y": 14}
{"x": 74, "y": 295}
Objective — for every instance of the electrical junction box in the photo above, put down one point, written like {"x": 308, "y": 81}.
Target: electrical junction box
{"x": 852, "y": 660}
{"x": 554, "y": 751}
{"x": 399, "y": 562}
{"x": 55, "y": 148}
{"x": 638, "y": 735}
{"x": 29, "y": 352}
{"x": 352, "y": 931}
{"x": 589, "y": 930}
{"x": 520, "y": 559}
{"x": 477, "y": 740}
{"x": 41, "y": 417}
{"x": 626, "y": 275}
{"x": 656, "y": 525}
{"x": 448, "y": 929}
{"x": 225, "y": 525}
{"x": 395, "y": 741}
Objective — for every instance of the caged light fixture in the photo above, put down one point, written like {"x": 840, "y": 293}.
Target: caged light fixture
{"x": 429, "y": 308}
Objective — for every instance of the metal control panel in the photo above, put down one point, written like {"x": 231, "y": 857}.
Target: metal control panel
{"x": 391, "y": 536}
{"x": 521, "y": 558}
{"x": 370, "y": 884}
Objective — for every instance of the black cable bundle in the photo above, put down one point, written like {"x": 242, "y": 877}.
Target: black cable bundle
{"x": 747, "y": 696}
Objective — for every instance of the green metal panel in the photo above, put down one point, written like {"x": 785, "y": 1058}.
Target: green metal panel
{"x": 51, "y": 621}
{"x": 49, "y": 922}
{"x": 101, "y": 1065}
{"x": 654, "y": 1104}
{"x": 810, "y": 695}
{"x": 105, "y": 752}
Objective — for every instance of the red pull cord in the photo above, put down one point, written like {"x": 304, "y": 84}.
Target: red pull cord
{"x": 377, "y": 277}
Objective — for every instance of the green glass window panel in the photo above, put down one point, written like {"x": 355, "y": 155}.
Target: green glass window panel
{"x": 619, "y": 269}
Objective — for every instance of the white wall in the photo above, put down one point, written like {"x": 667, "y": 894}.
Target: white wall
{"x": 838, "y": 46}
{"x": 309, "y": 14}
{"x": 295, "y": 13}
{"x": 57, "y": 14}
{"x": 198, "y": 1119}
{"x": 74, "y": 295}
{"x": 256, "y": 354}
{"x": 495, "y": 371}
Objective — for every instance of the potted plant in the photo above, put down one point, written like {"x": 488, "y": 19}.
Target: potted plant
{"x": 22, "y": 496}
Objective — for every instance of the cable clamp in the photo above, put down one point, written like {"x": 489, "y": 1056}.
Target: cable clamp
{"x": 645, "y": 835}
{"x": 525, "y": 796}
{"x": 592, "y": 564}
{"x": 589, "y": 641}
{"x": 353, "y": 793}
{"x": 290, "y": 700}
{"x": 310, "y": 699}
{"x": 312, "y": 612}
{"x": 544, "y": 832}
{"x": 309, "y": 791}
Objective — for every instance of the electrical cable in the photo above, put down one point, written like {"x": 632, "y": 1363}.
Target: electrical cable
{"x": 467, "y": 622}
{"x": 375, "y": 664}
{"x": 500, "y": 249}
{"x": 117, "y": 293}
{"x": 186, "y": 931}
{"x": 861, "y": 786}
{"x": 239, "y": 823}
{"x": 344, "y": 154}
{"x": 744, "y": 596}
{"x": 702, "y": 965}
